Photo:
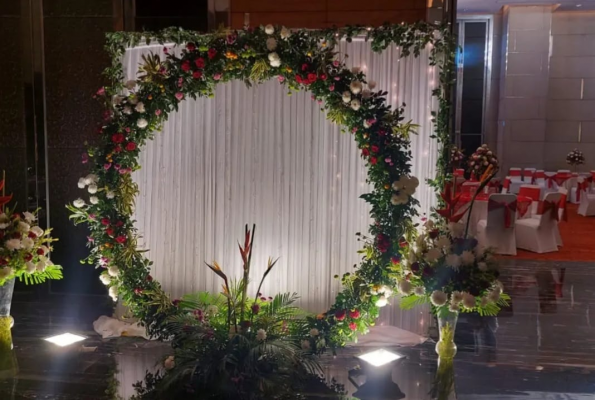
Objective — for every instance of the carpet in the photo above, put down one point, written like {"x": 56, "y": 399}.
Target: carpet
{"x": 578, "y": 237}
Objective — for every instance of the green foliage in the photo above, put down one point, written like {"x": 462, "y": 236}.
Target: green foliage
{"x": 50, "y": 272}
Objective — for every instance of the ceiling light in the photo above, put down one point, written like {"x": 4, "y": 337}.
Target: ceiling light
{"x": 579, "y": 5}
{"x": 65, "y": 339}
{"x": 379, "y": 357}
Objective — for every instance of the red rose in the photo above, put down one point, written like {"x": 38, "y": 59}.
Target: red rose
{"x": 255, "y": 308}
{"x": 32, "y": 235}
{"x": 105, "y": 221}
{"x": 340, "y": 315}
{"x": 415, "y": 267}
{"x": 110, "y": 231}
{"x": 149, "y": 278}
{"x": 200, "y": 62}
{"x": 212, "y": 53}
{"x": 118, "y": 149}
{"x": 28, "y": 257}
{"x": 373, "y": 160}
{"x": 312, "y": 78}
{"x": 323, "y": 77}
{"x": 40, "y": 252}
{"x": 354, "y": 314}
{"x": 365, "y": 152}
{"x": 305, "y": 67}
{"x": 197, "y": 74}
{"x": 119, "y": 223}
{"x": 118, "y": 138}
{"x": 352, "y": 326}
{"x": 299, "y": 79}
{"x": 190, "y": 47}
{"x": 375, "y": 149}
{"x": 121, "y": 239}
{"x": 131, "y": 146}
{"x": 186, "y": 66}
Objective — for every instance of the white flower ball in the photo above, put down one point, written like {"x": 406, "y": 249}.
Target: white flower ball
{"x": 397, "y": 199}
{"x": 261, "y": 335}
{"x": 433, "y": 255}
{"x": 23, "y": 227}
{"x": 355, "y": 104}
{"x": 91, "y": 178}
{"x": 269, "y": 29}
{"x": 29, "y": 217}
{"x": 355, "y": 87}
{"x": 438, "y": 298}
{"x": 105, "y": 279}
{"x": 419, "y": 290}
{"x": 453, "y": 261}
{"x": 142, "y": 123}
{"x": 482, "y": 266}
{"x": 113, "y": 271}
{"x": 81, "y": 183}
{"x": 285, "y": 33}
{"x": 456, "y": 297}
{"x": 93, "y": 200}
{"x": 113, "y": 292}
{"x": 346, "y": 97}
{"x": 12, "y": 244}
{"x": 467, "y": 258}
{"x": 169, "y": 363}
{"x": 140, "y": 107}
{"x": 381, "y": 302}
{"x": 468, "y": 300}
{"x": 78, "y": 203}
{"x": 110, "y": 195}
{"x": 131, "y": 84}
{"x": 30, "y": 267}
{"x": 453, "y": 307}
{"x": 92, "y": 188}
{"x": 27, "y": 243}
{"x": 405, "y": 287}
{"x": 274, "y": 60}
{"x": 271, "y": 44}
{"x": 314, "y": 332}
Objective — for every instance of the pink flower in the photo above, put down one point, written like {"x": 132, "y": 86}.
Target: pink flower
{"x": 352, "y": 326}
{"x": 180, "y": 82}
{"x": 337, "y": 78}
{"x": 101, "y": 91}
{"x": 158, "y": 112}
{"x": 281, "y": 78}
{"x": 336, "y": 63}
{"x": 331, "y": 88}
{"x": 107, "y": 166}
{"x": 121, "y": 239}
{"x": 85, "y": 158}
{"x": 127, "y": 129}
{"x": 179, "y": 96}
{"x": 217, "y": 76}
{"x": 131, "y": 146}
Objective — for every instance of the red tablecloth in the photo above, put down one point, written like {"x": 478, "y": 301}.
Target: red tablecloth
{"x": 523, "y": 202}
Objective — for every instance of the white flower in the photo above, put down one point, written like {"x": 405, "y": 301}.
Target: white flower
{"x": 92, "y": 188}
{"x": 113, "y": 292}
{"x": 105, "y": 279}
{"x": 12, "y": 244}
{"x": 117, "y": 99}
{"x": 271, "y": 44}
{"x": 355, "y": 104}
{"x": 468, "y": 300}
{"x": 91, "y": 178}
{"x": 405, "y": 287}
{"x": 27, "y": 243}
{"x": 456, "y": 230}
{"x": 261, "y": 335}
{"x": 372, "y": 85}
{"x": 467, "y": 258}
{"x": 355, "y": 70}
{"x": 453, "y": 307}
{"x": 285, "y": 33}
{"x": 406, "y": 184}
{"x": 4, "y": 221}
{"x": 453, "y": 261}
{"x": 131, "y": 84}
{"x": 482, "y": 266}
{"x": 442, "y": 242}
{"x": 419, "y": 290}
{"x": 274, "y": 60}
{"x": 433, "y": 255}
{"x": 113, "y": 271}
{"x": 93, "y": 200}
{"x": 40, "y": 266}
{"x": 23, "y": 227}
{"x": 142, "y": 123}
{"x": 78, "y": 203}
{"x": 212, "y": 310}
{"x": 140, "y": 107}
{"x": 269, "y": 29}
{"x": 44, "y": 249}
{"x": 305, "y": 345}
{"x": 127, "y": 110}
{"x": 110, "y": 194}
{"x": 355, "y": 87}
{"x": 30, "y": 267}
{"x": 438, "y": 298}
{"x": 29, "y": 217}
{"x": 381, "y": 302}
{"x": 456, "y": 297}
{"x": 386, "y": 290}
{"x": 346, "y": 97}
{"x": 314, "y": 332}
{"x": 4, "y": 272}
{"x": 400, "y": 198}
{"x": 169, "y": 363}
{"x": 367, "y": 124}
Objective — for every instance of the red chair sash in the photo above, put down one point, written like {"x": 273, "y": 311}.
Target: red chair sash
{"x": 506, "y": 183}
{"x": 562, "y": 177}
{"x": 531, "y": 192}
{"x": 540, "y": 175}
{"x": 550, "y": 181}
{"x": 514, "y": 172}
{"x": 508, "y": 209}
{"x": 552, "y": 208}
{"x": 583, "y": 186}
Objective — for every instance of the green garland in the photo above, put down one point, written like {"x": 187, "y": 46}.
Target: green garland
{"x": 301, "y": 60}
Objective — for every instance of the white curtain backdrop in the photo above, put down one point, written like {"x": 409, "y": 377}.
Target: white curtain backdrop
{"x": 259, "y": 156}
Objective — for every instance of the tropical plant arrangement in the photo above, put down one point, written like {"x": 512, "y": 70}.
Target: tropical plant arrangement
{"x": 575, "y": 158}
{"x": 481, "y": 160}
{"x": 299, "y": 60}
{"x": 234, "y": 346}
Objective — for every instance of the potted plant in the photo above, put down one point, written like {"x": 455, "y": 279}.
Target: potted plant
{"x": 24, "y": 254}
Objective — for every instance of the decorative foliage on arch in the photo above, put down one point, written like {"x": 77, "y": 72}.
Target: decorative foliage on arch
{"x": 300, "y": 60}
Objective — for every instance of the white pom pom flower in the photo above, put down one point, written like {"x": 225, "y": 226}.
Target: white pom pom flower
{"x": 261, "y": 335}
{"x": 269, "y": 29}
{"x": 468, "y": 300}
{"x": 438, "y": 298}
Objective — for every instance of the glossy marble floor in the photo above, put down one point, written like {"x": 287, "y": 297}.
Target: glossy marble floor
{"x": 543, "y": 347}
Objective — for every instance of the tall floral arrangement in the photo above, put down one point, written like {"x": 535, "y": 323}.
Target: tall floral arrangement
{"x": 575, "y": 158}
{"x": 456, "y": 157}
{"x": 482, "y": 159}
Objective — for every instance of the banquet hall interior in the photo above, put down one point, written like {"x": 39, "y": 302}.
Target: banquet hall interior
{"x": 410, "y": 183}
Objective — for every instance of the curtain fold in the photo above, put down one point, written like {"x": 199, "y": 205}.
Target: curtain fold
{"x": 259, "y": 156}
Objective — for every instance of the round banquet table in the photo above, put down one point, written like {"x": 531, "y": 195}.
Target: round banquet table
{"x": 480, "y": 208}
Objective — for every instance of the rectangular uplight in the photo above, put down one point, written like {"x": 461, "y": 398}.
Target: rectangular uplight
{"x": 379, "y": 357}
{"x": 65, "y": 339}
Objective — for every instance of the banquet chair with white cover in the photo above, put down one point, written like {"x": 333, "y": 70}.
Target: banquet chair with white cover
{"x": 498, "y": 230}
{"x": 586, "y": 206}
{"x": 571, "y": 184}
{"x": 538, "y": 234}
{"x": 469, "y": 187}
{"x": 528, "y": 175}
{"x": 516, "y": 180}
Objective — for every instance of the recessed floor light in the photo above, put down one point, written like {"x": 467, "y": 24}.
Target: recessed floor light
{"x": 380, "y": 357}
{"x": 65, "y": 339}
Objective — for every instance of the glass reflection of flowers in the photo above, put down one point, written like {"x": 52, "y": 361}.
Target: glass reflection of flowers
{"x": 232, "y": 345}
{"x": 481, "y": 160}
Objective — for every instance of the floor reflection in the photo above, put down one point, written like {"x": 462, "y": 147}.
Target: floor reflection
{"x": 542, "y": 347}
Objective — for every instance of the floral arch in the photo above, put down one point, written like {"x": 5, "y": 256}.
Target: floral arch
{"x": 301, "y": 60}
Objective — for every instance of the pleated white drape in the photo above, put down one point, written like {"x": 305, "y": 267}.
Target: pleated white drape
{"x": 259, "y": 156}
